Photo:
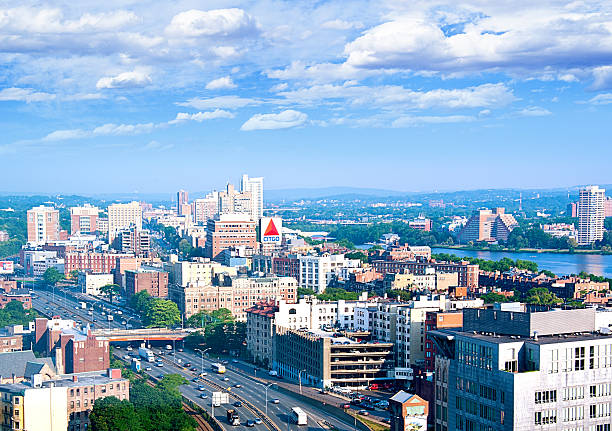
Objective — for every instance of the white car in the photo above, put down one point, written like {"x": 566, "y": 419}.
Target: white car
{"x": 275, "y": 401}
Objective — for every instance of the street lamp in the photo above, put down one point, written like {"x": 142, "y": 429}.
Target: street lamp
{"x": 202, "y": 353}
{"x": 300, "y": 379}
{"x": 267, "y": 387}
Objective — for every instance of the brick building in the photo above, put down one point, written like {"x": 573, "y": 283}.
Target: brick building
{"x": 74, "y": 350}
{"x": 84, "y": 219}
{"x": 21, "y": 295}
{"x": 466, "y": 272}
{"x": 90, "y": 261}
{"x": 43, "y": 224}
{"x": 154, "y": 282}
{"x": 229, "y": 230}
{"x": 438, "y": 320}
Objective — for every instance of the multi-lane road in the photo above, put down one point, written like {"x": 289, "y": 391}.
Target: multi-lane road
{"x": 250, "y": 389}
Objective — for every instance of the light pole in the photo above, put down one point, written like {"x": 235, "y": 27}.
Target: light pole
{"x": 202, "y": 353}
{"x": 300, "y": 379}
{"x": 267, "y": 387}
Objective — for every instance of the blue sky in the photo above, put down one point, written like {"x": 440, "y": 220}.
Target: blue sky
{"x": 152, "y": 96}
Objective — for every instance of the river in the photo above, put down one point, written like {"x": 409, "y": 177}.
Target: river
{"x": 559, "y": 263}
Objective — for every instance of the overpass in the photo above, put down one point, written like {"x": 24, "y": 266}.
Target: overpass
{"x": 146, "y": 334}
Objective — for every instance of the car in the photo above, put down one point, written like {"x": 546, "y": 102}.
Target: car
{"x": 250, "y": 423}
{"x": 188, "y": 364}
{"x": 126, "y": 357}
{"x": 129, "y": 348}
{"x": 194, "y": 368}
{"x": 180, "y": 349}
{"x": 224, "y": 362}
{"x": 203, "y": 396}
{"x": 95, "y": 320}
{"x": 147, "y": 368}
{"x": 204, "y": 374}
{"x": 258, "y": 421}
{"x": 345, "y": 406}
{"x": 161, "y": 376}
{"x": 160, "y": 364}
{"x": 124, "y": 322}
{"x": 201, "y": 388}
{"x": 237, "y": 385}
{"x": 237, "y": 404}
{"x": 234, "y": 361}
{"x": 364, "y": 412}
{"x": 356, "y": 401}
{"x": 275, "y": 401}
{"x": 226, "y": 379}
{"x": 195, "y": 379}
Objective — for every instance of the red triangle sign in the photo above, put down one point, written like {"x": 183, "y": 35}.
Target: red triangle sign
{"x": 271, "y": 229}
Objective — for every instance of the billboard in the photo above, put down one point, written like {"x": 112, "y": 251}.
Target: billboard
{"x": 270, "y": 230}
{"x": 6, "y": 267}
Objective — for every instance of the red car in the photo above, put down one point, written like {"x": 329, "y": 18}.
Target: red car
{"x": 346, "y": 406}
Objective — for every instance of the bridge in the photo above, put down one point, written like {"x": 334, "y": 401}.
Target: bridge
{"x": 146, "y": 334}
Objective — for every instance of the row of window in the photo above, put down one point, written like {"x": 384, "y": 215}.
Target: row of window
{"x": 574, "y": 413}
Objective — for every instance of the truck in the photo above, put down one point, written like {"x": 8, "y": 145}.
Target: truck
{"x": 109, "y": 317}
{"x": 299, "y": 416}
{"x": 232, "y": 417}
{"x": 218, "y": 368}
{"x": 146, "y": 354}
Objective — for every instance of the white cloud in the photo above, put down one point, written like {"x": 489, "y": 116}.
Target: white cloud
{"x": 201, "y": 116}
{"x": 217, "y": 22}
{"x": 338, "y": 24}
{"x": 157, "y": 146}
{"x": 282, "y": 120}
{"x": 229, "y": 102}
{"x": 27, "y": 95}
{"x": 481, "y": 96}
{"x": 602, "y": 78}
{"x": 410, "y": 120}
{"x": 62, "y": 135}
{"x": 221, "y": 83}
{"x": 125, "y": 80}
{"x": 534, "y": 111}
{"x": 601, "y": 99}
{"x": 123, "y": 129}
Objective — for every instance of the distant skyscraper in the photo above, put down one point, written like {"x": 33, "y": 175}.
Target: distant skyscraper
{"x": 591, "y": 214}
{"x": 206, "y": 208}
{"x": 182, "y": 202}
{"x": 43, "y": 224}
{"x": 123, "y": 216}
{"x": 255, "y": 186}
{"x": 233, "y": 202}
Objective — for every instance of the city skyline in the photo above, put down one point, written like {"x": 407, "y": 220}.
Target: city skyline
{"x": 194, "y": 92}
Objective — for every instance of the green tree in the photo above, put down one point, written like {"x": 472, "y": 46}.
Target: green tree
{"x": 404, "y": 295}
{"x": 161, "y": 313}
{"x": 357, "y": 255}
{"x": 184, "y": 247}
{"x": 112, "y": 414}
{"x": 110, "y": 291}
{"x": 492, "y": 297}
{"x": 302, "y": 291}
{"x": 542, "y": 296}
{"x": 52, "y": 276}
{"x": 336, "y": 293}
{"x": 140, "y": 301}
{"x": 170, "y": 383}
{"x": 74, "y": 274}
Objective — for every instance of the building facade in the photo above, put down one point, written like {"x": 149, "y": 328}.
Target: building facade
{"x": 591, "y": 215}
{"x": 487, "y": 225}
{"x": 254, "y": 186}
{"x": 43, "y": 225}
{"x": 84, "y": 219}
{"x": 230, "y": 230}
{"x": 123, "y": 216}
{"x": 153, "y": 282}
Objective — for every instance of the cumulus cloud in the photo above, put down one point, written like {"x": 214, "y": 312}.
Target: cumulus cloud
{"x": 228, "y": 102}
{"x": 217, "y": 22}
{"x": 202, "y": 116}
{"x": 602, "y": 78}
{"x": 132, "y": 79}
{"x": 27, "y": 95}
{"x": 481, "y": 96}
{"x": 221, "y": 83}
{"x": 282, "y": 120}
{"x": 534, "y": 111}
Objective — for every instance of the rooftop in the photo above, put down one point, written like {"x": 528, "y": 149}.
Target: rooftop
{"x": 540, "y": 340}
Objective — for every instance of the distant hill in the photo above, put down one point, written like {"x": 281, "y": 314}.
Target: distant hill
{"x": 329, "y": 192}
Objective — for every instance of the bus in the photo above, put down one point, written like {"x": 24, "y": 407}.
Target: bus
{"x": 298, "y": 416}
{"x": 218, "y": 368}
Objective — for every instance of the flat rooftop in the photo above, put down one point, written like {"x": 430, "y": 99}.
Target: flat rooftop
{"x": 545, "y": 339}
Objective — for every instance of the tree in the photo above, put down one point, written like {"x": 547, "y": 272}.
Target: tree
{"x": 357, "y": 255}
{"x": 492, "y": 297}
{"x": 140, "y": 300}
{"x": 52, "y": 276}
{"x": 336, "y": 293}
{"x": 161, "y": 313}
{"x": 542, "y": 296}
{"x": 302, "y": 291}
{"x": 110, "y": 290}
{"x": 74, "y": 274}
{"x": 170, "y": 383}
{"x": 184, "y": 247}
{"x": 112, "y": 414}
{"x": 404, "y": 295}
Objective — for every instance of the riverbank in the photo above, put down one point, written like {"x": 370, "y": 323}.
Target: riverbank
{"x": 521, "y": 250}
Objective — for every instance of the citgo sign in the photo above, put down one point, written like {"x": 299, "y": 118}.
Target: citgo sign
{"x": 270, "y": 228}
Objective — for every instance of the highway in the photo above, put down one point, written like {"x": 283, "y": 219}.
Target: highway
{"x": 251, "y": 389}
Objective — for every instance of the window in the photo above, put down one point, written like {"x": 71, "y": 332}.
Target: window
{"x": 548, "y": 416}
{"x": 579, "y": 358}
{"x": 544, "y": 397}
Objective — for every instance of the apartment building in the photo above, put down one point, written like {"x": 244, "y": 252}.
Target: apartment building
{"x": 254, "y": 186}
{"x": 439, "y": 282}
{"x": 487, "y": 225}
{"x": 135, "y": 241}
{"x": 234, "y": 202}
{"x": 60, "y": 404}
{"x": 229, "y": 230}
{"x": 323, "y": 359}
{"x": 19, "y": 295}
{"x": 84, "y": 219}
{"x": 206, "y": 208}
{"x": 43, "y": 225}
{"x": 591, "y": 215}
{"x": 467, "y": 274}
{"x": 316, "y": 272}
{"x": 200, "y": 271}
{"x": 525, "y": 371}
{"x": 123, "y": 216}
{"x": 154, "y": 282}
{"x": 91, "y": 283}
{"x": 237, "y": 294}
{"x": 91, "y": 261}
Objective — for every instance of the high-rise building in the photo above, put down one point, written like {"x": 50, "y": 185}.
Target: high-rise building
{"x": 513, "y": 370}
{"x": 255, "y": 187}
{"x": 43, "y": 225}
{"x": 135, "y": 241}
{"x": 182, "y": 202}
{"x": 229, "y": 230}
{"x": 205, "y": 208}
{"x": 123, "y": 216}
{"x": 487, "y": 225}
{"x": 608, "y": 207}
{"x": 591, "y": 212}
{"x": 84, "y": 219}
{"x": 233, "y": 202}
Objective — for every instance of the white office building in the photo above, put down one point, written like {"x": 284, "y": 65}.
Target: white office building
{"x": 317, "y": 271}
{"x": 123, "y": 216}
{"x": 591, "y": 215}
{"x": 255, "y": 187}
